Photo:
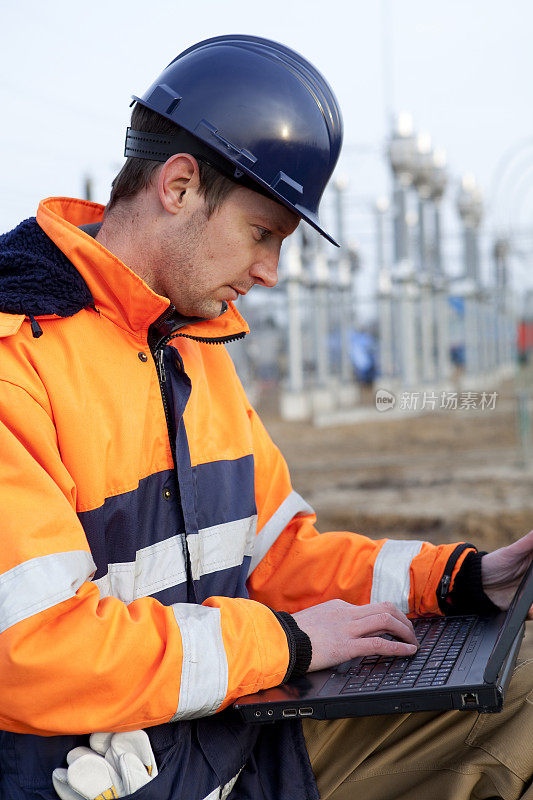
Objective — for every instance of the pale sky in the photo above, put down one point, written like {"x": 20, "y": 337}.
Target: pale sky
{"x": 463, "y": 68}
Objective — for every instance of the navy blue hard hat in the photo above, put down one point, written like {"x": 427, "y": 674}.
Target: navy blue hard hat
{"x": 265, "y": 114}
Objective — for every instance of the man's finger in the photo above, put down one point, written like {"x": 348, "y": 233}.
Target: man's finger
{"x": 384, "y": 622}
{"x": 389, "y": 608}
{"x": 377, "y": 646}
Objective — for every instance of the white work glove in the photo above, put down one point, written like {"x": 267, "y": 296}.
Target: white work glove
{"x": 117, "y": 764}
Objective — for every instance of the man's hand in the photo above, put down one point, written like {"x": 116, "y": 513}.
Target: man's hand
{"x": 502, "y": 571}
{"x": 340, "y": 631}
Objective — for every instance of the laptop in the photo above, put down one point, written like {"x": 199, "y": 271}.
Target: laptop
{"x": 463, "y": 662}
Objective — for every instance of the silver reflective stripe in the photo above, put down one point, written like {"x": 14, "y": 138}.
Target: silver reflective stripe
{"x": 222, "y": 792}
{"x": 292, "y": 506}
{"x": 204, "y": 671}
{"x": 156, "y": 567}
{"x": 390, "y": 580}
{"x": 221, "y": 546}
{"x": 162, "y": 565}
{"x": 41, "y": 583}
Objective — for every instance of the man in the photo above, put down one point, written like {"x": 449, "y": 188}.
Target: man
{"x": 156, "y": 563}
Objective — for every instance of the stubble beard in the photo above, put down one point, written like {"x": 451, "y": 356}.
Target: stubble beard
{"x": 179, "y": 257}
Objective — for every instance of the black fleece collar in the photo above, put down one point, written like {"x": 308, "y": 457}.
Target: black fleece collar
{"x": 36, "y": 278}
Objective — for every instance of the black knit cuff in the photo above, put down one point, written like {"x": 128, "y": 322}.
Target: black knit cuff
{"x": 467, "y": 595}
{"x": 300, "y": 649}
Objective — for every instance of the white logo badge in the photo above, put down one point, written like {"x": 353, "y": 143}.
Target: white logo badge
{"x": 385, "y": 401}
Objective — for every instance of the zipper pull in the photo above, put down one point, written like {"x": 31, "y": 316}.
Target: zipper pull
{"x": 35, "y": 327}
{"x": 445, "y": 585}
{"x": 160, "y": 364}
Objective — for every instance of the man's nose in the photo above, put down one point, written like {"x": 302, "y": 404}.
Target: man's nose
{"x": 265, "y": 271}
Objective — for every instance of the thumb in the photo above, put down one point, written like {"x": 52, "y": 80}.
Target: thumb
{"x": 516, "y": 551}
{"x": 523, "y": 545}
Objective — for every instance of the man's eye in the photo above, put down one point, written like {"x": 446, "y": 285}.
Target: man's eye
{"x": 263, "y": 232}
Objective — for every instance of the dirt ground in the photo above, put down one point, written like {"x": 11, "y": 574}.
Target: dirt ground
{"x": 444, "y": 476}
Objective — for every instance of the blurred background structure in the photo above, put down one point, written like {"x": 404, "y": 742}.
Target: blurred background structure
{"x": 425, "y": 328}
{"x": 396, "y": 371}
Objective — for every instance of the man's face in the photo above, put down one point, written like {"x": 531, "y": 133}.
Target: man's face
{"x": 206, "y": 261}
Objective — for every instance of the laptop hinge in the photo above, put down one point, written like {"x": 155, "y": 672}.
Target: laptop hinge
{"x": 501, "y": 673}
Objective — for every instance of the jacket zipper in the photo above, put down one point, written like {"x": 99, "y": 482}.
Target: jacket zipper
{"x": 202, "y": 339}
{"x": 162, "y": 378}
{"x": 159, "y": 360}
{"x": 205, "y": 340}
{"x": 160, "y": 365}
{"x": 158, "y": 356}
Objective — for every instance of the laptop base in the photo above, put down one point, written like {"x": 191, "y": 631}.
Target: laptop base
{"x": 303, "y": 697}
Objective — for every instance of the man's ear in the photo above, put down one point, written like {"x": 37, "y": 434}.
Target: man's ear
{"x": 178, "y": 178}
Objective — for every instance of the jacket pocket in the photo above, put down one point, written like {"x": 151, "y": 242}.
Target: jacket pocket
{"x": 183, "y": 773}
{"x": 161, "y": 787}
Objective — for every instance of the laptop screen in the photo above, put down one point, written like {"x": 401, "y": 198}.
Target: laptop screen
{"x": 517, "y": 613}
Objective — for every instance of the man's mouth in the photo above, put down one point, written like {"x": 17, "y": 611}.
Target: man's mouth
{"x": 238, "y": 291}
{"x": 232, "y": 293}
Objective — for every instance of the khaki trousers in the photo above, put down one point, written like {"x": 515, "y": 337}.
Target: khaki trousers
{"x": 439, "y": 756}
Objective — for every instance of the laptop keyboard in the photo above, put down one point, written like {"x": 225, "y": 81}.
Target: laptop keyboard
{"x": 441, "y": 640}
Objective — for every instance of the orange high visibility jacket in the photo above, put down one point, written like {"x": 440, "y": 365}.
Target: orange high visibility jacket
{"x": 148, "y": 521}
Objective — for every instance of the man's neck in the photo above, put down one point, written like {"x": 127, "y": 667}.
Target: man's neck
{"x": 124, "y": 239}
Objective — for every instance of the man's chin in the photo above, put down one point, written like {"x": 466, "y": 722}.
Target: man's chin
{"x": 215, "y": 309}
{"x": 207, "y": 311}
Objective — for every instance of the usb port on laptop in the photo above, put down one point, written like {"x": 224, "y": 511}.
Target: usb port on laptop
{"x": 289, "y": 712}
{"x": 305, "y": 712}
